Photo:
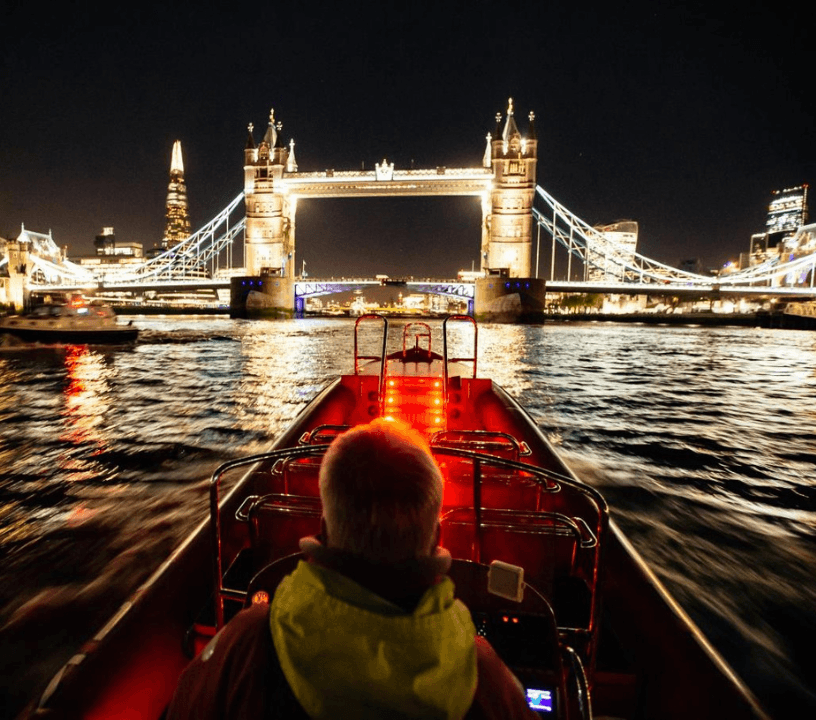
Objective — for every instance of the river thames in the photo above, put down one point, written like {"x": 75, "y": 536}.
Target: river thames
{"x": 703, "y": 441}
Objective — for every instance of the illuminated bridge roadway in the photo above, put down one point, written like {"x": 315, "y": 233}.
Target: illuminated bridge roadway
{"x": 204, "y": 261}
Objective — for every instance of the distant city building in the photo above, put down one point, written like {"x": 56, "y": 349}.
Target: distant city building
{"x": 177, "y": 226}
{"x": 110, "y": 253}
{"x": 787, "y": 212}
{"x": 607, "y": 256}
{"x": 106, "y": 244}
{"x": 690, "y": 265}
{"x": 787, "y": 218}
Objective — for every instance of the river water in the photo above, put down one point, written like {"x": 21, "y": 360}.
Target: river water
{"x": 703, "y": 440}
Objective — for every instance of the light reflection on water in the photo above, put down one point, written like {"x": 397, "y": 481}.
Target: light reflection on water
{"x": 702, "y": 440}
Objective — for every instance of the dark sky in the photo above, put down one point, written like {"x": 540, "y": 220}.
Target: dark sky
{"x": 682, "y": 116}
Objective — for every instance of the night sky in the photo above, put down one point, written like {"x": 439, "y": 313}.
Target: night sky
{"x": 683, "y": 117}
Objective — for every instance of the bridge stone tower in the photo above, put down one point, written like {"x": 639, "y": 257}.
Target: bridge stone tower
{"x": 268, "y": 288}
{"x": 507, "y": 292}
{"x": 507, "y": 235}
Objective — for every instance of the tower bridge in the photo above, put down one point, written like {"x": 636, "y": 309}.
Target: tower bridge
{"x": 263, "y": 218}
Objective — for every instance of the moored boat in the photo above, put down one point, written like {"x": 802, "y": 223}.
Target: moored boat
{"x": 589, "y": 629}
{"x": 69, "y": 319}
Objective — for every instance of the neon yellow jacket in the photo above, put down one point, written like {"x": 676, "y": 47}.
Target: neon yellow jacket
{"x": 346, "y": 652}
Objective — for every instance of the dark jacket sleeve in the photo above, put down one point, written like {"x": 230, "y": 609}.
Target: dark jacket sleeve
{"x": 237, "y": 675}
{"x": 229, "y": 678}
{"x": 499, "y": 694}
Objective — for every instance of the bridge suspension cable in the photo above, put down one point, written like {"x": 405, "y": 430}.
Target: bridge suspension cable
{"x": 199, "y": 256}
{"x": 595, "y": 249}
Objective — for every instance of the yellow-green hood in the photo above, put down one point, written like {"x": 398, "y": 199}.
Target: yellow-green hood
{"x": 347, "y": 652}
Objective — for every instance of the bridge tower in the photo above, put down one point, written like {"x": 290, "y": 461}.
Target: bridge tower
{"x": 507, "y": 291}
{"x": 268, "y": 288}
{"x": 507, "y": 236}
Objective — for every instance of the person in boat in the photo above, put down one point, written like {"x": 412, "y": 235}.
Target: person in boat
{"x": 367, "y": 626}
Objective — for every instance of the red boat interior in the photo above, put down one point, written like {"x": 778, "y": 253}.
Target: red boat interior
{"x": 507, "y": 498}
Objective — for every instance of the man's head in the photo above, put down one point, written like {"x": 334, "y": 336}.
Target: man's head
{"x": 381, "y": 492}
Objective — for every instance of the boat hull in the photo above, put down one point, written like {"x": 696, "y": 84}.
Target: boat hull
{"x": 117, "y": 336}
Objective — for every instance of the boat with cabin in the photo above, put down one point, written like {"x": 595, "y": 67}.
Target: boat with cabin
{"x": 548, "y": 576}
{"x": 58, "y": 318}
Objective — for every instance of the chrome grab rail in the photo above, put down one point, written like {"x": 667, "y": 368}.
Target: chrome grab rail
{"x": 408, "y": 330}
{"x": 381, "y": 357}
{"x": 548, "y": 480}
{"x": 447, "y": 360}
{"x": 221, "y": 592}
{"x": 507, "y": 518}
{"x": 478, "y": 441}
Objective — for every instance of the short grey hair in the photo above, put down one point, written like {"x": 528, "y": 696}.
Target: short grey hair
{"x": 382, "y": 492}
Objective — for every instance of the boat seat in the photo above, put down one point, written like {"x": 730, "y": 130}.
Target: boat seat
{"x": 546, "y": 544}
{"x": 296, "y": 476}
{"x": 277, "y": 523}
{"x": 501, "y": 487}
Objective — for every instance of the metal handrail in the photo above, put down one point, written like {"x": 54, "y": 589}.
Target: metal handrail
{"x": 381, "y": 358}
{"x": 406, "y": 332}
{"x": 549, "y": 481}
{"x": 581, "y": 683}
{"x": 215, "y": 515}
{"x": 477, "y": 437}
{"x": 447, "y": 360}
{"x": 575, "y": 525}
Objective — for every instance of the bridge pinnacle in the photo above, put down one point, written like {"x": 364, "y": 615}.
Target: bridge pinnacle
{"x": 291, "y": 163}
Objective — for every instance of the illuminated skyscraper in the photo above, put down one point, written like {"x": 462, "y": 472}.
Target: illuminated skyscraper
{"x": 177, "y": 218}
{"x": 787, "y": 212}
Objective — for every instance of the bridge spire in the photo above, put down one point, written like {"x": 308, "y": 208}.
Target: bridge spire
{"x": 510, "y": 127}
{"x": 271, "y": 136}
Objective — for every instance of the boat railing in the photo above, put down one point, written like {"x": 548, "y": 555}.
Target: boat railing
{"x": 416, "y": 331}
{"x": 582, "y": 521}
{"x": 448, "y": 360}
{"x": 322, "y": 434}
{"x": 252, "y": 462}
{"x": 358, "y": 358}
{"x": 484, "y": 441}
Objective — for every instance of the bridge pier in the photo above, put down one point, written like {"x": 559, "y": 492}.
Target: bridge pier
{"x": 504, "y": 299}
{"x": 262, "y": 296}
